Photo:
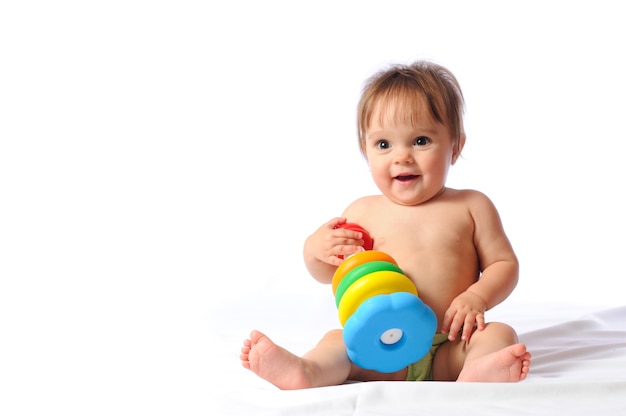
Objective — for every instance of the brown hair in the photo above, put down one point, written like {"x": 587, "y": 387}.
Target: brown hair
{"x": 419, "y": 83}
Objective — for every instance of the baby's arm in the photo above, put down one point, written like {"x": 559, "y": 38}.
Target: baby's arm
{"x": 323, "y": 248}
{"x": 499, "y": 271}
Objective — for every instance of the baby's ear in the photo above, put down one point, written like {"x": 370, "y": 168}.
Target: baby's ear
{"x": 456, "y": 152}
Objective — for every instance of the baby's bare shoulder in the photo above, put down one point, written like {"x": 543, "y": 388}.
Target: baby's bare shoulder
{"x": 468, "y": 196}
{"x": 362, "y": 204}
{"x": 464, "y": 193}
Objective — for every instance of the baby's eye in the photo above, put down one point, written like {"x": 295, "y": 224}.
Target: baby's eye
{"x": 422, "y": 141}
{"x": 382, "y": 144}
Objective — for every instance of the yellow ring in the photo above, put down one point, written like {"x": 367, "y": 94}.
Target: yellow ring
{"x": 382, "y": 282}
{"x": 356, "y": 260}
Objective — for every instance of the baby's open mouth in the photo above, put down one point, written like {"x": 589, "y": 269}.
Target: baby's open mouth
{"x": 404, "y": 178}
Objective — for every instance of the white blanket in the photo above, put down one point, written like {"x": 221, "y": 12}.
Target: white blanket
{"x": 578, "y": 366}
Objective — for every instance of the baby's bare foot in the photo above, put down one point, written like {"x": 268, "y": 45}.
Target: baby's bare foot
{"x": 510, "y": 364}
{"x": 273, "y": 363}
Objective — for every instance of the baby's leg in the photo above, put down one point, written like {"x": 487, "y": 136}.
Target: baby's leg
{"x": 492, "y": 355}
{"x": 326, "y": 364}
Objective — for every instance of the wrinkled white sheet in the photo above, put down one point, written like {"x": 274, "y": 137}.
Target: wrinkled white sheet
{"x": 578, "y": 366}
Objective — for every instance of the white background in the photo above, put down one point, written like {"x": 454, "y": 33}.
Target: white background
{"x": 158, "y": 159}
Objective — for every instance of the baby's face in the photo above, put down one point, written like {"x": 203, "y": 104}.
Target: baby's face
{"x": 409, "y": 160}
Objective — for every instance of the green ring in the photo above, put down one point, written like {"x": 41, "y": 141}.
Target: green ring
{"x": 360, "y": 271}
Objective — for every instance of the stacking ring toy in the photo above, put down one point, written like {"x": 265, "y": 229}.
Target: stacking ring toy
{"x": 361, "y": 270}
{"x": 355, "y": 260}
{"x": 383, "y": 282}
{"x": 386, "y": 326}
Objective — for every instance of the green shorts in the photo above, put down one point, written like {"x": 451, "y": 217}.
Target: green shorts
{"x": 423, "y": 369}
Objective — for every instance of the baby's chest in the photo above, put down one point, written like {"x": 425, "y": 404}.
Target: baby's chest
{"x": 422, "y": 234}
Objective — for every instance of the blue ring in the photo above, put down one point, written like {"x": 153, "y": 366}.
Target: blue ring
{"x": 402, "y": 310}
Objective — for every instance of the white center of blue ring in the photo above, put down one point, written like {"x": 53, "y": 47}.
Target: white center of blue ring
{"x": 391, "y": 336}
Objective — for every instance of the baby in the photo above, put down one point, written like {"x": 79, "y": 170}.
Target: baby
{"x": 449, "y": 242}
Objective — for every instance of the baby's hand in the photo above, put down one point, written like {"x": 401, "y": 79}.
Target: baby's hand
{"x": 466, "y": 311}
{"x": 329, "y": 243}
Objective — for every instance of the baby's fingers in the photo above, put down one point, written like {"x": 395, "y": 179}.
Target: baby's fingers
{"x": 472, "y": 322}
{"x": 454, "y": 327}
